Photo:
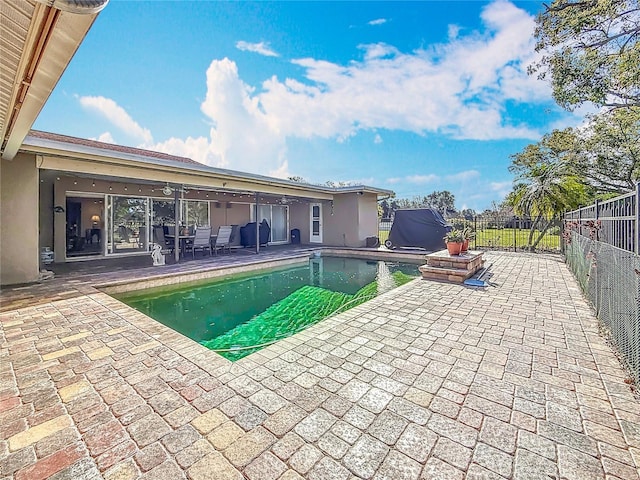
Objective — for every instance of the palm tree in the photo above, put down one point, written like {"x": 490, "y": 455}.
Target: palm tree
{"x": 543, "y": 191}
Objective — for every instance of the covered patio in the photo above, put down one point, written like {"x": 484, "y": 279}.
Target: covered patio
{"x": 431, "y": 380}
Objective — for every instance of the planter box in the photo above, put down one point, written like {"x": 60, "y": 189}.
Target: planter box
{"x": 452, "y": 268}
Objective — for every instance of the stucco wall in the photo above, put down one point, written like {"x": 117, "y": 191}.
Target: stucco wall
{"x": 367, "y": 216}
{"x": 45, "y": 221}
{"x": 19, "y": 254}
{"x": 341, "y": 228}
{"x": 355, "y": 217}
{"x": 299, "y": 218}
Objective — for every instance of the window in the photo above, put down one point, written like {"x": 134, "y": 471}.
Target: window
{"x": 195, "y": 213}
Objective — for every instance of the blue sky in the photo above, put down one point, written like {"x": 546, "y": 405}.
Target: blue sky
{"x": 409, "y": 96}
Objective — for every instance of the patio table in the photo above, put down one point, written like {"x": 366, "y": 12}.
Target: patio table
{"x": 182, "y": 239}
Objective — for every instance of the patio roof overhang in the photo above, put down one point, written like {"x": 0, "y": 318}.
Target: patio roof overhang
{"x": 103, "y": 161}
{"x": 38, "y": 40}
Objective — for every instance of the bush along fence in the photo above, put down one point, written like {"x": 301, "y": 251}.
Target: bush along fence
{"x": 602, "y": 248}
{"x": 499, "y": 232}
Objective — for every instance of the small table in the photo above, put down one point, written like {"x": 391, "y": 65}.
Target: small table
{"x": 182, "y": 239}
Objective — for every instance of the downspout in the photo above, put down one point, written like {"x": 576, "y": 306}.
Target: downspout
{"x": 80, "y": 7}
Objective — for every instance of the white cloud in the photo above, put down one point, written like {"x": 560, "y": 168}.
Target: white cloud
{"x": 117, "y": 115}
{"x": 501, "y": 188}
{"x": 242, "y": 137}
{"x": 105, "y": 137}
{"x": 459, "y": 88}
{"x": 377, "y": 21}
{"x": 453, "y": 31}
{"x": 198, "y": 149}
{"x": 263, "y": 48}
{"x": 497, "y": 186}
{"x": 465, "y": 176}
{"x": 421, "y": 179}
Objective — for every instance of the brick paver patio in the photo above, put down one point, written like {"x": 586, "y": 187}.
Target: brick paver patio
{"x": 429, "y": 381}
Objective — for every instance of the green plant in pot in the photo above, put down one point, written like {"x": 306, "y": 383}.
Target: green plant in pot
{"x": 468, "y": 234}
{"x": 454, "y": 240}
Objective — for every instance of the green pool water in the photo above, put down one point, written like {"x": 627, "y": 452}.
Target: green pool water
{"x": 237, "y": 316}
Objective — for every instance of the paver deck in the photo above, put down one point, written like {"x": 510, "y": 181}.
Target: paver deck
{"x": 429, "y": 381}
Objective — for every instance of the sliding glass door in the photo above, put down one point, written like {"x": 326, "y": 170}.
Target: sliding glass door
{"x": 278, "y": 218}
{"x": 127, "y": 230}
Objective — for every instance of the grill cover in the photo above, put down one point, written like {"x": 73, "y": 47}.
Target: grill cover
{"x": 418, "y": 227}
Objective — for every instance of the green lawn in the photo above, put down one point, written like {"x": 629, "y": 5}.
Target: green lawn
{"x": 502, "y": 238}
{"x": 506, "y": 237}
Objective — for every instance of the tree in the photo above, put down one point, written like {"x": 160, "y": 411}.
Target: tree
{"x": 331, "y": 183}
{"x": 546, "y": 184}
{"x": 297, "y": 178}
{"x": 608, "y": 151}
{"x": 591, "y": 50}
{"x": 468, "y": 213}
{"x": 443, "y": 201}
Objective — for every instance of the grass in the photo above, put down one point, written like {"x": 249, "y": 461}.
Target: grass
{"x": 507, "y": 237}
{"x": 503, "y": 238}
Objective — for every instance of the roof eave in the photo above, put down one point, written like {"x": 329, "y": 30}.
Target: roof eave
{"x": 44, "y": 146}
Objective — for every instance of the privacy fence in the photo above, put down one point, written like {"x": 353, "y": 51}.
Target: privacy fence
{"x": 500, "y": 232}
{"x": 602, "y": 247}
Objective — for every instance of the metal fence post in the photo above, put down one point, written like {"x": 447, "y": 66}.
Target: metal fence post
{"x": 595, "y": 225}
{"x": 475, "y": 231}
{"x": 579, "y": 219}
{"x": 637, "y": 219}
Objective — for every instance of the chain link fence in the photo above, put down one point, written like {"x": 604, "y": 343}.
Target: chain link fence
{"x": 610, "y": 277}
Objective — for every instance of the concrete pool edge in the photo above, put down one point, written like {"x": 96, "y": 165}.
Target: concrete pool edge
{"x": 177, "y": 278}
{"x": 165, "y": 279}
{"x": 210, "y": 360}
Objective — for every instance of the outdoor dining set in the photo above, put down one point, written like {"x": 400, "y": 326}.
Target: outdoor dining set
{"x": 202, "y": 238}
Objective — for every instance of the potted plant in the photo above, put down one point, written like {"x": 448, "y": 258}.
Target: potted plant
{"x": 454, "y": 240}
{"x": 467, "y": 235}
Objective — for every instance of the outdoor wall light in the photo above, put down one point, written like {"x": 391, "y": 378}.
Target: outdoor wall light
{"x": 96, "y": 220}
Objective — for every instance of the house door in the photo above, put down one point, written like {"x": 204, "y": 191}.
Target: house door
{"x": 315, "y": 231}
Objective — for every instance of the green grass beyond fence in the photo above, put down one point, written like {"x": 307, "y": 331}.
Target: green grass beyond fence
{"x": 499, "y": 238}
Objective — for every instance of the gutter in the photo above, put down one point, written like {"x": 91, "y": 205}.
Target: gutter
{"x": 80, "y": 7}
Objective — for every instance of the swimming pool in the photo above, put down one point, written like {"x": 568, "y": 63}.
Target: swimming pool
{"x": 235, "y": 314}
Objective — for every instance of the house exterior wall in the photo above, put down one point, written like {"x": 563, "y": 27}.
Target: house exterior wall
{"x": 238, "y": 214}
{"x": 355, "y": 217}
{"x": 299, "y": 218}
{"x": 45, "y": 221}
{"x": 367, "y": 216}
{"x": 19, "y": 254}
{"x": 340, "y": 229}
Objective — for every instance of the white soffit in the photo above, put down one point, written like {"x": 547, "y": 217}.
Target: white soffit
{"x": 37, "y": 42}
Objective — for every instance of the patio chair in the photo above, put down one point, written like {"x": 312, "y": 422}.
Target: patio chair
{"x": 223, "y": 240}
{"x": 159, "y": 238}
{"x": 201, "y": 241}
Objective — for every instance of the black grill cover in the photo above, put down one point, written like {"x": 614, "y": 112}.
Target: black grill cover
{"x": 418, "y": 227}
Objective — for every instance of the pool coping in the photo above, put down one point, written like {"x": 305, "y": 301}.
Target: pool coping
{"x": 176, "y": 278}
{"x": 202, "y": 355}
